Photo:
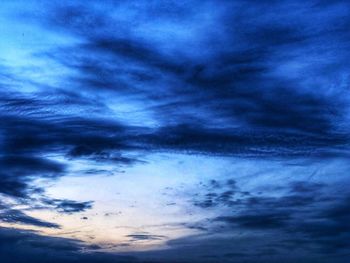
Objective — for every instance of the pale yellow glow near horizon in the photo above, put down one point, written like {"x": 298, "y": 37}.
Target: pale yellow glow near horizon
{"x": 132, "y": 202}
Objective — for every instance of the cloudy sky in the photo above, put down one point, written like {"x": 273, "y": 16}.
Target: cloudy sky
{"x": 174, "y": 131}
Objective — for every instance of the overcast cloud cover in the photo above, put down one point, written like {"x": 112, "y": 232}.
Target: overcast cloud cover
{"x": 174, "y": 131}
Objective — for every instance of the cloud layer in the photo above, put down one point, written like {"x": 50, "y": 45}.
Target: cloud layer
{"x": 110, "y": 84}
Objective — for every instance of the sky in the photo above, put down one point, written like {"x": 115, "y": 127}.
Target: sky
{"x": 174, "y": 131}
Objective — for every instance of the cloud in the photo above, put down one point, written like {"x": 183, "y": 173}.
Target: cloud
{"x": 144, "y": 237}
{"x": 258, "y": 221}
{"x": 28, "y": 246}
{"x": 18, "y": 217}
{"x": 304, "y": 216}
{"x": 262, "y": 112}
{"x": 29, "y": 134}
{"x": 17, "y": 171}
{"x": 68, "y": 206}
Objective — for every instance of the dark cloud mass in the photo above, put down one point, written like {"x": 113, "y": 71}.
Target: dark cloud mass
{"x": 16, "y": 216}
{"x": 144, "y": 236}
{"x": 37, "y": 248}
{"x": 68, "y": 206}
{"x": 109, "y": 83}
{"x": 241, "y": 88}
{"x": 17, "y": 171}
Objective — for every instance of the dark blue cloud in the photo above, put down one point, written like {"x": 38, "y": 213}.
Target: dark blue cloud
{"x": 262, "y": 109}
{"x": 144, "y": 236}
{"x": 18, "y": 217}
{"x": 28, "y": 246}
{"x": 17, "y": 171}
{"x": 68, "y": 206}
{"x": 259, "y": 80}
{"x": 306, "y": 217}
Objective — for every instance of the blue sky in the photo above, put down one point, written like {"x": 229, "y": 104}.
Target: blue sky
{"x": 174, "y": 131}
